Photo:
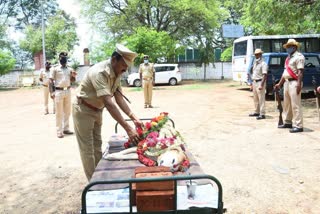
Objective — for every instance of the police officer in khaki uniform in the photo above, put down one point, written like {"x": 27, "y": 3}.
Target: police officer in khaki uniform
{"x": 61, "y": 77}
{"x": 44, "y": 78}
{"x": 292, "y": 80}
{"x": 259, "y": 77}
{"x": 100, "y": 84}
{"x": 147, "y": 77}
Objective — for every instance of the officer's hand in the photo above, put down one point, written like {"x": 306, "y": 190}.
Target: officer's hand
{"x": 318, "y": 89}
{"x": 298, "y": 88}
{"x": 52, "y": 96}
{"x": 74, "y": 73}
{"x": 138, "y": 123}
{"x": 276, "y": 86}
{"x": 260, "y": 88}
{"x": 133, "y": 136}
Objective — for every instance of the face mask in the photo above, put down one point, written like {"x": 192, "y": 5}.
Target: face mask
{"x": 146, "y": 61}
{"x": 63, "y": 60}
{"x": 290, "y": 50}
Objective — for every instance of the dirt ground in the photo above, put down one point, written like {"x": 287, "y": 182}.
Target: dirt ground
{"x": 262, "y": 169}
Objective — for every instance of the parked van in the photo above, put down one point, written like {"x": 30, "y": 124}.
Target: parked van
{"x": 165, "y": 74}
{"x": 276, "y": 61}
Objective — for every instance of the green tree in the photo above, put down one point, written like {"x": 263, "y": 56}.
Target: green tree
{"x": 21, "y": 13}
{"x": 60, "y": 35}
{"x": 7, "y": 62}
{"x": 268, "y": 17}
{"x": 158, "y": 45}
{"x": 226, "y": 55}
{"x": 178, "y": 18}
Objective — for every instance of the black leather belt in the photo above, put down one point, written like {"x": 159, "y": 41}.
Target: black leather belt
{"x": 291, "y": 79}
{"x": 65, "y": 88}
{"x": 257, "y": 80}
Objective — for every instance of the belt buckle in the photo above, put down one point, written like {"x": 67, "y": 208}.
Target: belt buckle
{"x": 65, "y": 88}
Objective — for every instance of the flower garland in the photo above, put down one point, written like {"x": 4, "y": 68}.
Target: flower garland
{"x": 158, "y": 136}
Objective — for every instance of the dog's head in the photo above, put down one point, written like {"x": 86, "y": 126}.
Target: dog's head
{"x": 172, "y": 158}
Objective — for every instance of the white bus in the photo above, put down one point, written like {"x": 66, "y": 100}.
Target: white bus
{"x": 244, "y": 47}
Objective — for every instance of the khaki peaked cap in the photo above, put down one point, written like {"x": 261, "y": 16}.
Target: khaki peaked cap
{"x": 127, "y": 55}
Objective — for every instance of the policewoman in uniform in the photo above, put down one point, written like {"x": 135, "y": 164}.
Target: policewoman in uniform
{"x": 292, "y": 81}
{"x": 147, "y": 77}
{"x": 259, "y": 77}
{"x": 44, "y": 78}
{"x": 96, "y": 91}
{"x": 61, "y": 77}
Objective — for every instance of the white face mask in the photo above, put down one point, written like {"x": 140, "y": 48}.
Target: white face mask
{"x": 145, "y": 61}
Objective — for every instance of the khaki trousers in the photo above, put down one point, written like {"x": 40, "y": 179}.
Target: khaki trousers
{"x": 87, "y": 127}
{"x": 292, "y": 109}
{"x": 63, "y": 109}
{"x": 259, "y": 98}
{"x": 46, "y": 99}
{"x": 147, "y": 89}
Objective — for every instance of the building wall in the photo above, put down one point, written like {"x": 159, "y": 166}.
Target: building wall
{"x": 188, "y": 71}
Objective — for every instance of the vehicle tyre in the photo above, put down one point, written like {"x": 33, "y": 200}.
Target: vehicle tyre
{"x": 137, "y": 83}
{"x": 173, "y": 81}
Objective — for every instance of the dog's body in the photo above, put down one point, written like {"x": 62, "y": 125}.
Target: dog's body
{"x": 170, "y": 155}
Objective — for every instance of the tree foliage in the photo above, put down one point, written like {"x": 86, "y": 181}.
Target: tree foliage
{"x": 21, "y": 13}
{"x": 272, "y": 17}
{"x": 158, "y": 45}
{"x": 7, "y": 62}
{"x": 60, "y": 35}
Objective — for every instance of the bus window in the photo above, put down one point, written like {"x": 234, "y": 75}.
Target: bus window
{"x": 277, "y": 45}
{"x": 263, "y": 44}
{"x": 240, "y": 49}
{"x": 312, "y": 45}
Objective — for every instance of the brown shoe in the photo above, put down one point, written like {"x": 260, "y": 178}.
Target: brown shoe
{"x": 67, "y": 132}
{"x": 145, "y": 106}
{"x": 46, "y": 113}
{"x": 150, "y": 106}
{"x": 60, "y": 136}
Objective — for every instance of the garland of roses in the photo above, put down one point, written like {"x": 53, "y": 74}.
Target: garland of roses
{"x": 150, "y": 130}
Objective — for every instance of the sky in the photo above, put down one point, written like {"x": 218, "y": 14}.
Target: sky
{"x": 84, "y": 32}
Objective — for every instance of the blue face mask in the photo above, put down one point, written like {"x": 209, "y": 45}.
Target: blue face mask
{"x": 145, "y": 61}
{"x": 290, "y": 50}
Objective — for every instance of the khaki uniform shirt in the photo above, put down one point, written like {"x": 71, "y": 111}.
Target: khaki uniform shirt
{"x": 100, "y": 80}
{"x": 44, "y": 75}
{"x": 259, "y": 69}
{"x": 61, "y": 76}
{"x": 146, "y": 70}
{"x": 296, "y": 62}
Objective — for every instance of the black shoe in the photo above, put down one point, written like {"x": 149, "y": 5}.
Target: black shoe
{"x": 260, "y": 117}
{"x": 296, "y": 129}
{"x": 254, "y": 115}
{"x": 67, "y": 132}
{"x": 285, "y": 126}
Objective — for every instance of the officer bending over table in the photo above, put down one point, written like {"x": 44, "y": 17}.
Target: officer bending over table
{"x": 100, "y": 84}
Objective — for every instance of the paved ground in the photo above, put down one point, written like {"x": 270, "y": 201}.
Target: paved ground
{"x": 262, "y": 169}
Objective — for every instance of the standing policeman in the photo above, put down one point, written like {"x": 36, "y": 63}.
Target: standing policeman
{"x": 259, "y": 76}
{"x": 292, "y": 80}
{"x": 147, "y": 77}
{"x": 44, "y": 78}
{"x": 98, "y": 89}
{"x": 61, "y": 77}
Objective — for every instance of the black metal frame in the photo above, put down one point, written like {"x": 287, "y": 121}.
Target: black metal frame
{"x": 219, "y": 210}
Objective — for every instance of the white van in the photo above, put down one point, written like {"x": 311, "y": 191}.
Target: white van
{"x": 165, "y": 74}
